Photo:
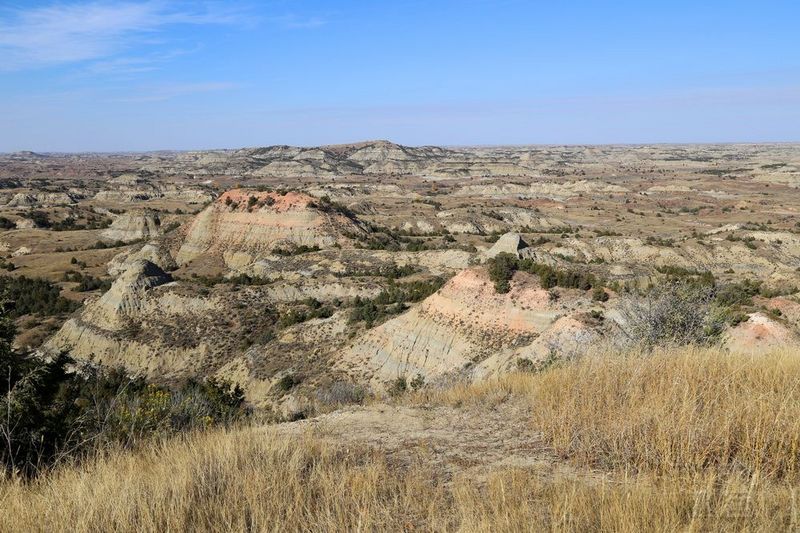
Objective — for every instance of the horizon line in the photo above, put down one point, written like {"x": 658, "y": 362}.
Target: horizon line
{"x": 371, "y": 141}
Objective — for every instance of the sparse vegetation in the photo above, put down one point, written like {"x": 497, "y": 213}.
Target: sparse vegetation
{"x": 392, "y": 300}
{"x": 305, "y": 310}
{"x": 605, "y": 390}
{"x": 296, "y": 250}
{"x": 86, "y": 282}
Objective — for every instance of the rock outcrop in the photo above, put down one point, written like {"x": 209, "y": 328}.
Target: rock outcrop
{"x": 151, "y": 252}
{"x": 510, "y": 243}
{"x": 758, "y": 334}
{"x": 133, "y": 226}
{"x": 45, "y": 199}
{"x": 466, "y": 325}
{"x": 133, "y": 188}
{"x": 126, "y": 295}
{"x": 242, "y": 226}
{"x": 120, "y": 329}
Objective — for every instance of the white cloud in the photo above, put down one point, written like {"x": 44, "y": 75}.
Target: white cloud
{"x": 66, "y": 33}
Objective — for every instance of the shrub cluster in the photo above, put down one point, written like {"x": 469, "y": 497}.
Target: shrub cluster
{"x": 309, "y": 308}
{"x": 34, "y": 296}
{"x": 239, "y": 279}
{"x": 326, "y": 205}
{"x": 87, "y": 282}
{"x": 296, "y": 250}
{"x": 100, "y": 245}
{"x": 748, "y": 241}
{"x": 71, "y": 224}
{"x": 392, "y": 272}
{"x": 392, "y": 300}
{"x": 40, "y": 218}
{"x": 502, "y": 267}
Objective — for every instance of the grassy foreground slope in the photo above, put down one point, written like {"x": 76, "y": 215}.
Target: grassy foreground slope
{"x": 685, "y": 439}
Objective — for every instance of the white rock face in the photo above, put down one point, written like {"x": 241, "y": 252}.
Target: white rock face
{"x": 134, "y": 226}
{"x": 151, "y": 252}
{"x": 126, "y": 295}
{"x": 510, "y": 243}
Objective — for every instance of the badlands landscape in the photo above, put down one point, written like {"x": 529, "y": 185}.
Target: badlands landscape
{"x": 603, "y": 333}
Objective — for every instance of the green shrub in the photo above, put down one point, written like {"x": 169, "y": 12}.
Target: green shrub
{"x": 398, "y": 386}
{"x": 392, "y": 300}
{"x": 599, "y": 294}
{"x": 34, "y": 296}
{"x": 296, "y": 250}
{"x": 502, "y": 267}
{"x": 287, "y": 382}
{"x": 53, "y": 413}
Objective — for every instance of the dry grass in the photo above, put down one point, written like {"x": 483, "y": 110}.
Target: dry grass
{"x": 251, "y": 480}
{"x": 708, "y": 441}
{"x": 682, "y": 411}
{"x": 518, "y": 500}
{"x": 245, "y": 480}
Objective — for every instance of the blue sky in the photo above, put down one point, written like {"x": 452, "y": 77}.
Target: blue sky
{"x": 161, "y": 74}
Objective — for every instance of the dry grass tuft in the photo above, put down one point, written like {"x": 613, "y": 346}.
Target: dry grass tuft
{"x": 684, "y": 412}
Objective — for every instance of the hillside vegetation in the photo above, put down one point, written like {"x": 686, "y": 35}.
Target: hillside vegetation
{"x": 680, "y": 439}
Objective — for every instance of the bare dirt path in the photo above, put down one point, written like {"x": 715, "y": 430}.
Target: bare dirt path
{"x": 470, "y": 440}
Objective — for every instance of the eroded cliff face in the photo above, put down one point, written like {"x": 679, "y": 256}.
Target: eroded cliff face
{"x": 44, "y": 199}
{"x": 111, "y": 330}
{"x": 242, "y": 226}
{"x": 169, "y": 330}
{"x": 465, "y": 327}
{"x": 152, "y": 252}
{"x": 127, "y": 294}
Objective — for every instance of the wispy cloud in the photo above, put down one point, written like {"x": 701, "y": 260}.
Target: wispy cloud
{"x": 160, "y": 93}
{"x": 67, "y": 33}
{"x": 294, "y": 22}
{"x": 125, "y": 65}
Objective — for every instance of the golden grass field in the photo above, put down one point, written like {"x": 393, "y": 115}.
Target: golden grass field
{"x": 679, "y": 440}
